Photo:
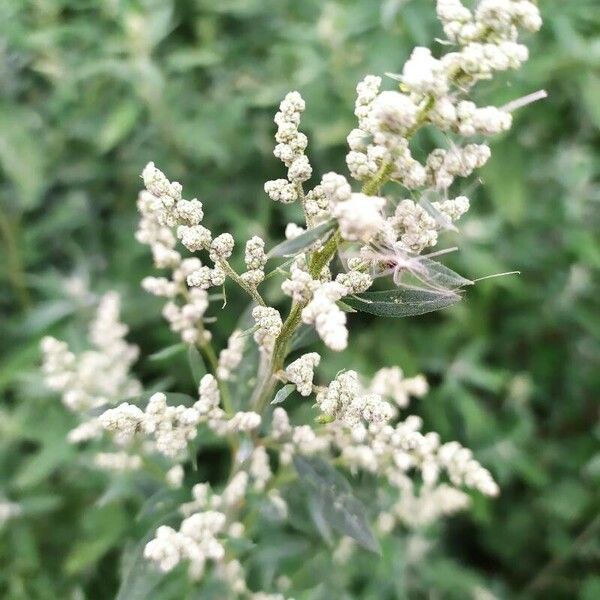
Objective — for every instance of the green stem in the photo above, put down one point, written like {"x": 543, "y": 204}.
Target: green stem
{"x": 251, "y": 291}
{"x": 319, "y": 260}
{"x": 14, "y": 264}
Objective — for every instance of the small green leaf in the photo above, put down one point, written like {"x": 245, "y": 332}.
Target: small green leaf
{"x": 308, "y": 238}
{"x": 402, "y": 302}
{"x": 196, "y": 363}
{"x": 332, "y": 501}
{"x": 167, "y": 352}
{"x": 283, "y": 393}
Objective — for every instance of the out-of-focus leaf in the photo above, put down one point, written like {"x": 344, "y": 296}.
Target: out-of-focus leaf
{"x": 118, "y": 125}
{"x": 22, "y": 157}
{"x": 337, "y": 504}
{"x": 167, "y": 352}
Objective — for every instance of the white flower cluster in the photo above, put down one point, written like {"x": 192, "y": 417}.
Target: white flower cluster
{"x": 301, "y": 372}
{"x": 344, "y": 400}
{"x": 300, "y": 439}
{"x": 196, "y": 541}
{"x": 230, "y": 357}
{"x": 393, "y": 450}
{"x": 209, "y": 522}
{"x": 95, "y": 377}
{"x": 290, "y": 148}
{"x": 255, "y": 259}
{"x": 326, "y": 316}
{"x": 419, "y": 508}
{"x": 391, "y": 383}
{"x": 269, "y": 324}
{"x": 162, "y": 208}
{"x": 171, "y": 428}
{"x": 417, "y": 229}
{"x": 117, "y": 461}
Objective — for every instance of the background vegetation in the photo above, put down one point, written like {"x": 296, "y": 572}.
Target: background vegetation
{"x": 90, "y": 90}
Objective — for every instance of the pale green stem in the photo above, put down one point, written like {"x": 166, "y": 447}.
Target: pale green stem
{"x": 251, "y": 291}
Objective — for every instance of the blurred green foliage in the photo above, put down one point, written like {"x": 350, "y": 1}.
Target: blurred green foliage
{"x": 90, "y": 90}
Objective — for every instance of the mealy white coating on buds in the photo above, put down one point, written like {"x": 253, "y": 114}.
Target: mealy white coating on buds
{"x": 260, "y": 469}
{"x": 328, "y": 319}
{"x": 366, "y": 92}
{"x": 281, "y": 190}
{"x": 196, "y": 541}
{"x": 345, "y": 401}
{"x": 269, "y": 325}
{"x": 301, "y": 372}
{"x": 299, "y": 285}
{"x": 290, "y": 148}
{"x": 391, "y": 383}
{"x": 221, "y": 247}
{"x": 98, "y": 376}
{"x": 117, "y": 461}
{"x": 174, "y": 476}
{"x": 355, "y": 282}
{"x": 360, "y": 217}
{"x": 231, "y": 356}
{"x": 255, "y": 257}
{"x": 424, "y": 74}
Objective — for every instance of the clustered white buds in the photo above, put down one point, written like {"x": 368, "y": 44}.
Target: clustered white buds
{"x": 230, "y": 357}
{"x": 117, "y": 461}
{"x": 300, "y": 285}
{"x": 391, "y": 383}
{"x": 162, "y": 209}
{"x": 255, "y": 259}
{"x": 323, "y": 312}
{"x": 290, "y": 148}
{"x": 360, "y": 217}
{"x": 196, "y": 541}
{"x": 269, "y": 324}
{"x": 301, "y": 372}
{"x": 301, "y": 439}
{"x": 345, "y": 401}
{"x": 95, "y": 377}
{"x": 171, "y": 428}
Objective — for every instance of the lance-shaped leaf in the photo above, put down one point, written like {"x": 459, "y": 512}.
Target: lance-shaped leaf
{"x": 197, "y": 366}
{"x": 167, "y": 352}
{"x": 300, "y": 243}
{"x": 283, "y": 393}
{"x": 402, "y": 302}
{"x": 331, "y": 498}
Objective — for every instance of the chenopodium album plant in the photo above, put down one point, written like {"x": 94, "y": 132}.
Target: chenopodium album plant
{"x": 357, "y": 424}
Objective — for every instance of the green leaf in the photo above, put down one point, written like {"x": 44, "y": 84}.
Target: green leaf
{"x": 118, "y": 125}
{"x": 283, "y": 393}
{"x": 141, "y": 577}
{"x": 167, "y": 352}
{"x": 196, "y": 363}
{"x": 402, "y": 302}
{"x": 308, "y": 238}
{"x": 23, "y": 155}
{"x": 331, "y": 498}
